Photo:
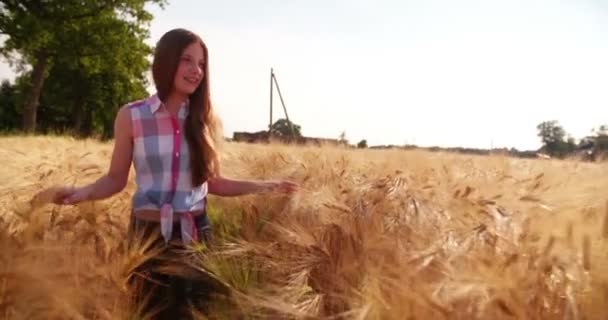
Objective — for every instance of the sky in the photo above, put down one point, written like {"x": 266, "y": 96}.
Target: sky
{"x": 476, "y": 74}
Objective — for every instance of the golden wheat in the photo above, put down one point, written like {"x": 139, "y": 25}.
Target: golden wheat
{"x": 374, "y": 234}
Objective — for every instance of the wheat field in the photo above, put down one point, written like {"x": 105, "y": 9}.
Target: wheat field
{"x": 373, "y": 234}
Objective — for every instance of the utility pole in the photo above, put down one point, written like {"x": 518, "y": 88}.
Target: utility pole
{"x": 276, "y": 83}
{"x": 270, "y": 123}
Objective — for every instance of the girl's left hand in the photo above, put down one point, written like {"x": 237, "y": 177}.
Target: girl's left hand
{"x": 282, "y": 186}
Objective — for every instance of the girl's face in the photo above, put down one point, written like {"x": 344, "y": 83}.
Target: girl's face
{"x": 190, "y": 69}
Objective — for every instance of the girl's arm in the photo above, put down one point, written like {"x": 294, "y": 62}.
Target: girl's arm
{"x": 117, "y": 176}
{"x": 226, "y": 187}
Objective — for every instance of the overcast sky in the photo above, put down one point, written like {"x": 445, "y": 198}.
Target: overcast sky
{"x": 447, "y": 73}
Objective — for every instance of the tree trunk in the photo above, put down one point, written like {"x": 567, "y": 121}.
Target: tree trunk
{"x": 32, "y": 99}
{"x": 87, "y": 126}
{"x": 78, "y": 113}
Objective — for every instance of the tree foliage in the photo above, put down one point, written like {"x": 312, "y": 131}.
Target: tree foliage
{"x": 285, "y": 128}
{"x": 555, "y": 143}
{"x": 342, "y": 139}
{"x": 553, "y": 137}
{"x": 551, "y": 132}
{"x": 600, "y": 139}
{"x": 362, "y": 144}
{"x": 8, "y": 112}
{"x": 77, "y": 44}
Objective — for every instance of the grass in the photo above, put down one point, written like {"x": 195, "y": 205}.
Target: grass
{"x": 374, "y": 234}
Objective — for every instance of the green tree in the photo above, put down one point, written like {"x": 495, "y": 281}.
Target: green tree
{"x": 8, "y": 106}
{"x": 285, "y": 128}
{"x": 85, "y": 92}
{"x": 342, "y": 138}
{"x": 362, "y": 144}
{"x": 601, "y": 139}
{"x": 601, "y": 130}
{"x": 85, "y": 102}
{"x": 551, "y": 132}
{"x": 553, "y": 137}
{"x": 40, "y": 32}
{"x": 570, "y": 145}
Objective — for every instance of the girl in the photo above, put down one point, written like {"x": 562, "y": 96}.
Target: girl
{"x": 171, "y": 138}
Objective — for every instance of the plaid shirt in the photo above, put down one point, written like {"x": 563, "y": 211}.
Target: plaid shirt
{"x": 161, "y": 159}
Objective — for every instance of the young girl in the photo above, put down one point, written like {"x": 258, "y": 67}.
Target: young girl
{"x": 171, "y": 138}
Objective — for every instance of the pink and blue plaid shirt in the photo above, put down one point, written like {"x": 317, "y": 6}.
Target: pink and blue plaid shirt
{"x": 162, "y": 165}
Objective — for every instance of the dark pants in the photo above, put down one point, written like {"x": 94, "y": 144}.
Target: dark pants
{"x": 164, "y": 285}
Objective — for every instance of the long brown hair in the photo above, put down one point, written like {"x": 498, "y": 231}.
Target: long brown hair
{"x": 202, "y": 126}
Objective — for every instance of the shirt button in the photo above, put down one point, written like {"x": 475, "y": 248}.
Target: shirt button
{"x": 177, "y": 154}
{"x": 177, "y": 131}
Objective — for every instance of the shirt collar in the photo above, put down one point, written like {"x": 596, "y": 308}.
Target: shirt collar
{"x": 155, "y": 104}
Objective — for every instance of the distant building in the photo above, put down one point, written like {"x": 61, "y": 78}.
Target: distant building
{"x": 249, "y": 137}
{"x": 265, "y": 137}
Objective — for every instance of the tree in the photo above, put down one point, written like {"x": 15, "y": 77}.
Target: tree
{"x": 570, "y": 145}
{"x": 551, "y": 132}
{"x": 362, "y": 144}
{"x": 601, "y": 130}
{"x": 8, "y": 103}
{"x": 342, "y": 139}
{"x": 41, "y": 32}
{"x": 86, "y": 91}
{"x": 285, "y": 128}
{"x": 553, "y": 138}
{"x": 85, "y": 101}
{"x": 601, "y": 139}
